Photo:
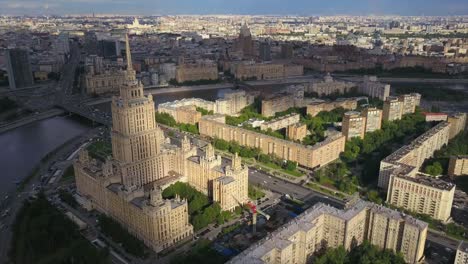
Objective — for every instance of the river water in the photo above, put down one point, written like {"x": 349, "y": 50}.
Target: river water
{"x": 23, "y": 148}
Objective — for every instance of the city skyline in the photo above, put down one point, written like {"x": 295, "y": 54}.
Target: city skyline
{"x": 241, "y": 7}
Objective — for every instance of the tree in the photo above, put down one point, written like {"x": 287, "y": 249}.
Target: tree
{"x": 435, "y": 169}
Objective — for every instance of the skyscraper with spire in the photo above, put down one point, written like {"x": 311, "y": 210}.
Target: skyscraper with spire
{"x": 128, "y": 186}
{"x": 245, "y": 43}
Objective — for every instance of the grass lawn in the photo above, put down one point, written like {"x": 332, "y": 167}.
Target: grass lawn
{"x": 100, "y": 150}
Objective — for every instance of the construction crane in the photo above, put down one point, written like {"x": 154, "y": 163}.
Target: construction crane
{"x": 253, "y": 210}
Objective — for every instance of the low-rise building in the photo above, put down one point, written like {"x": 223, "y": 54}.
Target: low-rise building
{"x": 435, "y": 117}
{"x": 324, "y": 226}
{"x": 458, "y": 165}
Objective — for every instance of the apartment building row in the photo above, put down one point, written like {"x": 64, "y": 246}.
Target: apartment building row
{"x": 411, "y": 190}
{"x": 314, "y": 156}
{"x": 324, "y": 226}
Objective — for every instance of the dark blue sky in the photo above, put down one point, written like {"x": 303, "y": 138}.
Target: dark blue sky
{"x": 280, "y": 7}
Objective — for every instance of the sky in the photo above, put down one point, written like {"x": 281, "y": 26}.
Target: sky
{"x": 244, "y": 7}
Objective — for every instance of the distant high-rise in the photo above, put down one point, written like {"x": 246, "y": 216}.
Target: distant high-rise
{"x": 245, "y": 42}
{"x": 286, "y": 51}
{"x": 107, "y": 48}
{"x": 265, "y": 51}
{"x": 19, "y": 68}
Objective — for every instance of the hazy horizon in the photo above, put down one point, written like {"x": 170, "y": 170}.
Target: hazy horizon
{"x": 239, "y": 7}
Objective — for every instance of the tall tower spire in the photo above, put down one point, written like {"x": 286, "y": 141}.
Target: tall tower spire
{"x": 128, "y": 53}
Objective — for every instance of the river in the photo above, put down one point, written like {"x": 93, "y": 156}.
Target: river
{"x": 24, "y": 147}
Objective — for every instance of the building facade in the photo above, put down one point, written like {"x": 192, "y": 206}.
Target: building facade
{"x": 19, "y": 68}
{"x": 457, "y": 123}
{"x": 128, "y": 185}
{"x": 458, "y": 165}
{"x": 373, "y": 119}
{"x": 296, "y": 132}
{"x": 196, "y": 72}
{"x": 317, "y": 107}
{"x": 354, "y": 125}
{"x": 461, "y": 256}
{"x": 392, "y": 109}
{"x": 422, "y": 194}
{"x": 321, "y": 225}
{"x": 329, "y": 86}
{"x": 373, "y": 88}
{"x": 314, "y": 156}
{"x": 265, "y": 71}
{"x": 281, "y": 122}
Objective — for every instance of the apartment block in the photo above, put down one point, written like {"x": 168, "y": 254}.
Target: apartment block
{"x": 461, "y": 256}
{"x": 314, "y": 156}
{"x": 373, "y": 88}
{"x": 458, "y": 123}
{"x": 354, "y": 125}
{"x": 328, "y": 86}
{"x": 297, "y": 131}
{"x": 265, "y": 71}
{"x": 422, "y": 194}
{"x": 196, "y": 72}
{"x": 317, "y": 107}
{"x": 392, "y": 109}
{"x": 373, "y": 119}
{"x": 321, "y": 225}
{"x": 458, "y": 165}
{"x": 281, "y": 122}
{"x": 410, "y": 158}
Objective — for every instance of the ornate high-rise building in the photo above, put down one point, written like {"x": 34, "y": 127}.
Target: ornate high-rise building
{"x": 244, "y": 42}
{"x": 128, "y": 186}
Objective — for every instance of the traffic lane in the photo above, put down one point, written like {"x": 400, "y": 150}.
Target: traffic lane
{"x": 278, "y": 185}
{"x": 442, "y": 240}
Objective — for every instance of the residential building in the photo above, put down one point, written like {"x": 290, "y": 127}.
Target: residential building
{"x": 324, "y": 226}
{"x": 458, "y": 165}
{"x": 461, "y": 256}
{"x": 373, "y": 88}
{"x": 18, "y": 68}
{"x": 409, "y": 102}
{"x": 296, "y": 132}
{"x": 392, "y": 109}
{"x": 265, "y": 51}
{"x": 329, "y": 86}
{"x": 196, "y": 72}
{"x": 457, "y": 123}
{"x": 317, "y": 107}
{"x": 281, "y": 122}
{"x": 265, "y": 71}
{"x": 410, "y": 157}
{"x": 354, "y": 125}
{"x": 422, "y": 194}
{"x": 314, "y": 156}
{"x": 435, "y": 117}
{"x": 373, "y": 119}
